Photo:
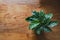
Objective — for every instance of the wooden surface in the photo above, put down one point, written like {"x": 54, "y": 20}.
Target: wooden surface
{"x": 13, "y": 25}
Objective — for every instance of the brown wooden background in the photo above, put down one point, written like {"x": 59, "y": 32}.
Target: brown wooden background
{"x": 13, "y": 25}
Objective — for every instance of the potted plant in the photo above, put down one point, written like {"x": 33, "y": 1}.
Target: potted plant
{"x": 41, "y": 22}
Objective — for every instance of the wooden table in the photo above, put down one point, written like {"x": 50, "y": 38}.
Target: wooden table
{"x": 13, "y": 25}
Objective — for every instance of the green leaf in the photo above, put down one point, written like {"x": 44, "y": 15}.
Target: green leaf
{"x": 35, "y": 13}
{"x": 41, "y": 13}
{"x": 29, "y": 19}
{"x": 32, "y": 18}
{"x": 50, "y": 15}
{"x": 47, "y": 29}
{"x": 46, "y": 21}
{"x": 34, "y": 24}
{"x": 38, "y": 31}
{"x": 52, "y": 24}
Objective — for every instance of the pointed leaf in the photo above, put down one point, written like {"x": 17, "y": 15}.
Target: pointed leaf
{"x": 46, "y": 21}
{"x": 50, "y": 15}
{"x": 38, "y": 31}
{"x": 47, "y": 29}
{"x": 52, "y": 24}
{"x": 32, "y": 18}
{"x": 41, "y": 13}
{"x": 33, "y": 24}
{"x": 35, "y": 13}
{"x": 29, "y": 19}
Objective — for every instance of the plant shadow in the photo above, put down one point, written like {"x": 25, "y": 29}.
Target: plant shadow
{"x": 40, "y": 37}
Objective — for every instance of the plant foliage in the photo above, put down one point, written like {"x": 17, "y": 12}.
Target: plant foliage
{"x": 39, "y": 21}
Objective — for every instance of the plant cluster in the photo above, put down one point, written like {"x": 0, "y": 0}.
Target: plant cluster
{"x": 39, "y": 21}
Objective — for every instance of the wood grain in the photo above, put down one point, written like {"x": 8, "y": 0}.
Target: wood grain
{"x": 13, "y": 25}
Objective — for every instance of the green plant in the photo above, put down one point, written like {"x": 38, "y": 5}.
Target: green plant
{"x": 39, "y": 21}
